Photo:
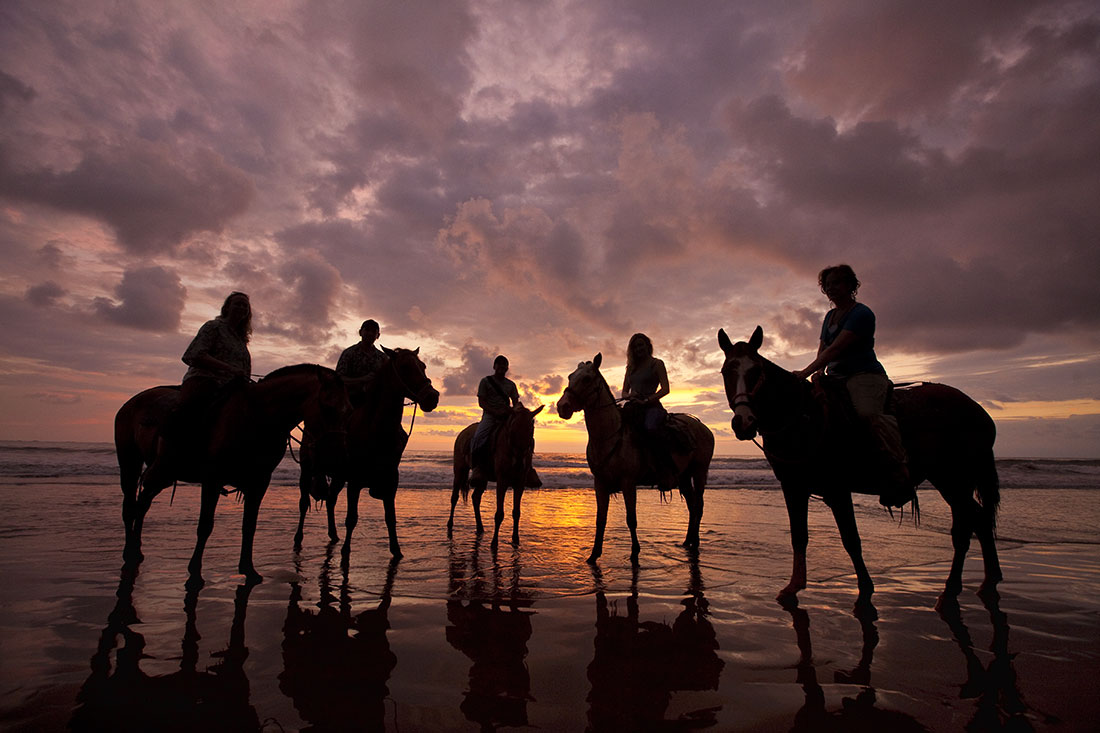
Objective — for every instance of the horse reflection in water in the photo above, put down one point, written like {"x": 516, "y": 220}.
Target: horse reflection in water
{"x": 335, "y": 664}
{"x": 639, "y": 664}
{"x": 128, "y": 699}
{"x": 855, "y": 713}
{"x": 1000, "y": 706}
{"x": 489, "y": 624}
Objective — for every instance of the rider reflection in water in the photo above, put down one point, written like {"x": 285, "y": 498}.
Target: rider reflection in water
{"x": 216, "y": 356}
{"x": 847, "y": 350}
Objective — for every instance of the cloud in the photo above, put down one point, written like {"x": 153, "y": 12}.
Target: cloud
{"x": 153, "y": 198}
{"x": 476, "y": 361}
{"x": 152, "y": 299}
{"x": 45, "y": 294}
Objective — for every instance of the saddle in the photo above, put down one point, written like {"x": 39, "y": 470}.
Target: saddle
{"x": 848, "y": 439}
{"x": 671, "y": 438}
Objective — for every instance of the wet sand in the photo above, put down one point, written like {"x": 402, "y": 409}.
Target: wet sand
{"x": 456, "y": 636}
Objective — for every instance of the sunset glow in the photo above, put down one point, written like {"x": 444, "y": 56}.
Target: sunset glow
{"x": 543, "y": 181}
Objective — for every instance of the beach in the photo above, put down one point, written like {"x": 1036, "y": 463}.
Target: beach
{"x": 457, "y": 636}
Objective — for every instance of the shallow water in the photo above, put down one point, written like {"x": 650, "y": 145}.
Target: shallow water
{"x": 456, "y": 636}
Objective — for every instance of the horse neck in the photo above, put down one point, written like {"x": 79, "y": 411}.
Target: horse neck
{"x": 785, "y": 404}
{"x": 386, "y": 398}
{"x": 281, "y": 401}
{"x": 604, "y": 419}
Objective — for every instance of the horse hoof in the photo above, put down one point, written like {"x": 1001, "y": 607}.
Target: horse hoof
{"x": 396, "y": 554}
{"x": 194, "y": 582}
{"x": 787, "y": 594}
{"x": 946, "y": 604}
{"x": 592, "y": 559}
{"x": 333, "y": 539}
{"x": 253, "y": 578}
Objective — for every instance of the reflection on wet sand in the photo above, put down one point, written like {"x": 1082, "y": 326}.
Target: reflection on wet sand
{"x": 335, "y": 664}
{"x": 1000, "y": 704}
{"x": 487, "y": 622}
{"x": 637, "y": 664}
{"x": 127, "y": 699}
{"x": 858, "y": 713}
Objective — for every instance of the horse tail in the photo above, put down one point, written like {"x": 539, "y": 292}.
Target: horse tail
{"x": 989, "y": 488}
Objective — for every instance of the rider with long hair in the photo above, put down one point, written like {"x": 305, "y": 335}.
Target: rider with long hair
{"x": 847, "y": 350}
{"x": 644, "y": 384}
{"x": 217, "y": 355}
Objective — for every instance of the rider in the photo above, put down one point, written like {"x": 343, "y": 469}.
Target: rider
{"x": 364, "y": 359}
{"x": 497, "y": 396}
{"x": 216, "y": 356}
{"x": 645, "y": 383}
{"x": 847, "y": 350}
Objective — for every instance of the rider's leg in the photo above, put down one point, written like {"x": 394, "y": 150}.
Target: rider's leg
{"x": 868, "y": 393}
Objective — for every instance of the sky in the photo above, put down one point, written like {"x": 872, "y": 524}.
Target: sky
{"x": 542, "y": 180}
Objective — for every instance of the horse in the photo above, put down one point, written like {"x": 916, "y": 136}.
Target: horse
{"x": 948, "y": 438}
{"x": 376, "y": 441}
{"x": 246, "y": 441}
{"x": 515, "y": 443}
{"x": 616, "y": 455}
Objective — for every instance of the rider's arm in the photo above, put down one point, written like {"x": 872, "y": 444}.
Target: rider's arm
{"x": 826, "y": 354}
{"x": 662, "y": 382}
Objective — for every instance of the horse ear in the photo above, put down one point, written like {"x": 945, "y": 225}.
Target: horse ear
{"x": 724, "y": 340}
{"x": 417, "y": 351}
{"x": 757, "y": 339}
{"x": 597, "y": 360}
{"x": 537, "y": 410}
{"x": 388, "y": 352}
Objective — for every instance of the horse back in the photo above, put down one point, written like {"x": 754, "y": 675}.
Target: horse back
{"x": 702, "y": 439}
{"x": 945, "y": 431}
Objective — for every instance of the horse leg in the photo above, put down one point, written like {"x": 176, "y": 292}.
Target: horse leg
{"x": 128, "y": 476}
{"x": 330, "y": 511}
{"x": 694, "y": 494}
{"x": 303, "y": 507}
{"x": 391, "y": 523}
{"x": 630, "y": 499}
{"x": 602, "y": 499}
{"x": 141, "y": 508}
{"x": 963, "y": 511}
{"x": 352, "y": 516}
{"x": 798, "y": 507}
{"x": 983, "y": 527}
{"x": 252, "y": 500}
{"x": 517, "y": 496}
{"x": 498, "y": 516}
{"x": 845, "y": 516}
{"x": 478, "y": 491}
{"x": 454, "y": 500}
{"x": 210, "y": 493}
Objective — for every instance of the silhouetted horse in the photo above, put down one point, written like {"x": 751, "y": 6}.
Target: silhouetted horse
{"x": 617, "y": 455}
{"x": 245, "y": 443}
{"x": 513, "y": 446}
{"x": 375, "y": 441}
{"x": 948, "y": 437}
{"x": 125, "y": 698}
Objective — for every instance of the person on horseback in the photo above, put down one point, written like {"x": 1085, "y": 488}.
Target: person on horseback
{"x": 360, "y": 361}
{"x": 496, "y": 395}
{"x": 847, "y": 350}
{"x": 645, "y": 383}
{"x": 216, "y": 356}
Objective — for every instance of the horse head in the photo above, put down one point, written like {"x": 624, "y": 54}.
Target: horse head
{"x": 521, "y": 428}
{"x": 412, "y": 374}
{"x": 583, "y": 389}
{"x": 743, "y": 375}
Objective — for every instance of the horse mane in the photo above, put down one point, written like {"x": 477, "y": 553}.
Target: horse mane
{"x": 294, "y": 369}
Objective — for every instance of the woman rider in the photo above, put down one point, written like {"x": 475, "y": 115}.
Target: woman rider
{"x": 847, "y": 350}
{"x": 645, "y": 383}
{"x": 217, "y": 355}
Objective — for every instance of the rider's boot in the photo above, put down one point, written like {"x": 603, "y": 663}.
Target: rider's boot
{"x": 533, "y": 481}
{"x": 898, "y": 489}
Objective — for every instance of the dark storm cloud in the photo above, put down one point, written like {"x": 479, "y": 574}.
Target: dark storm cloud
{"x": 149, "y": 298}
{"x": 45, "y": 293}
{"x": 151, "y": 197}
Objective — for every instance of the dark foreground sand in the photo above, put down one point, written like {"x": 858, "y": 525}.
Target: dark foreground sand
{"x": 457, "y": 637}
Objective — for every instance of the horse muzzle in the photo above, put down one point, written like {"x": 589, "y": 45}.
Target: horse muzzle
{"x": 744, "y": 426}
{"x": 428, "y": 398}
{"x": 565, "y": 408}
